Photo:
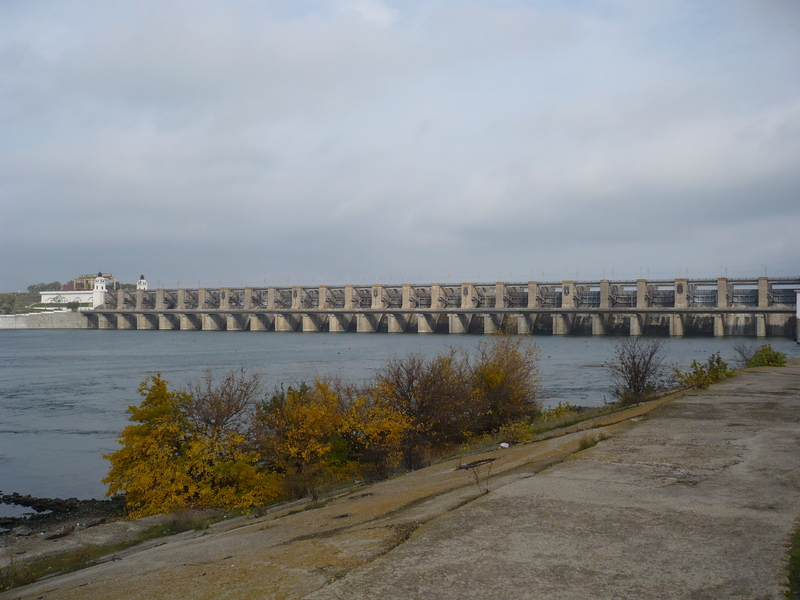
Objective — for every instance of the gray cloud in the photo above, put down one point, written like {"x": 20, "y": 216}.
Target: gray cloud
{"x": 251, "y": 141}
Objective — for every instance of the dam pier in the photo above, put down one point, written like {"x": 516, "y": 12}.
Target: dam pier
{"x": 720, "y": 307}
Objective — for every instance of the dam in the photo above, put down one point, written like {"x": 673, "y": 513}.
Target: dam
{"x": 758, "y": 307}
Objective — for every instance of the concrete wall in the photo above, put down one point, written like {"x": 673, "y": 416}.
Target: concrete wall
{"x": 54, "y": 320}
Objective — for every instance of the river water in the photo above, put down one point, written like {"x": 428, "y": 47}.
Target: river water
{"x": 63, "y": 393}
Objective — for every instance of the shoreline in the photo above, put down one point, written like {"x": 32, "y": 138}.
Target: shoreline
{"x": 403, "y": 531}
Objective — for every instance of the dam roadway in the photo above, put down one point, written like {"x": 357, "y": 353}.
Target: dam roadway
{"x": 692, "y": 496}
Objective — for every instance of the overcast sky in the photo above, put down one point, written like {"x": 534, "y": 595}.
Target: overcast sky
{"x": 306, "y": 142}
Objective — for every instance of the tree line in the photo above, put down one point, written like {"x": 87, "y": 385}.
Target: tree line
{"x": 227, "y": 443}
{"x": 55, "y": 286}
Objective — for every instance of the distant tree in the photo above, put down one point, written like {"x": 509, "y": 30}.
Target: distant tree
{"x": 73, "y": 306}
{"x": 8, "y": 304}
{"x": 44, "y": 287}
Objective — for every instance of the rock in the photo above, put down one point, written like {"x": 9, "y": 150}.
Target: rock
{"x": 93, "y": 522}
{"x": 21, "y": 530}
{"x": 60, "y": 532}
{"x": 4, "y": 530}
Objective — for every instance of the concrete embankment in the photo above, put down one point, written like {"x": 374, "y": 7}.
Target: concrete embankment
{"x": 46, "y": 320}
{"x": 691, "y": 497}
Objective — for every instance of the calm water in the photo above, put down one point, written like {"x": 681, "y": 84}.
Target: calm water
{"x": 63, "y": 393}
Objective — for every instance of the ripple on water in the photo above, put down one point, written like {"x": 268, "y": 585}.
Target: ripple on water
{"x": 64, "y": 393}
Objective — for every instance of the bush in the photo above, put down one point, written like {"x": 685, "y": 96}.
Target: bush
{"x": 515, "y": 433}
{"x": 453, "y": 397}
{"x": 315, "y": 436}
{"x": 703, "y": 375}
{"x": 433, "y": 395}
{"x": 767, "y": 356}
{"x": 744, "y": 353}
{"x": 504, "y": 377}
{"x": 166, "y": 463}
{"x": 224, "y": 444}
{"x": 638, "y": 371}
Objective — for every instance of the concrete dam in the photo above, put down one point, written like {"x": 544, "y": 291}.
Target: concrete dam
{"x": 720, "y": 307}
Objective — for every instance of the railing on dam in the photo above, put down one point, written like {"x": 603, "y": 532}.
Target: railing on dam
{"x": 759, "y": 307}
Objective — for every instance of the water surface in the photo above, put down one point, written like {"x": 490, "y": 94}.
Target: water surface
{"x": 63, "y": 393}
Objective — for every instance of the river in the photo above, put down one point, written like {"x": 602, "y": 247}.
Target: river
{"x": 63, "y": 393}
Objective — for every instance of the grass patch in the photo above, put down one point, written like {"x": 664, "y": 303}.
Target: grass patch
{"x": 793, "y": 593}
{"x": 557, "y": 418}
{"x": 567, "y": 419}
{"x": 589, "y": 440}
{"x": 17, "y": 574}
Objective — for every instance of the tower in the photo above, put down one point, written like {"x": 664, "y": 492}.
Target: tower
{"x": 99, "y": 295}
{"x": 142, "y": 283}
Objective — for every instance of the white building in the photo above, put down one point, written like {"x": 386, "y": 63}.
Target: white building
{"x": 92, "y": 297}
{"x": 62, "y": 297}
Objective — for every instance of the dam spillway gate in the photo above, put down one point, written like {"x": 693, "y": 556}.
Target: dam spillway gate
{"x": 720, "y": 307}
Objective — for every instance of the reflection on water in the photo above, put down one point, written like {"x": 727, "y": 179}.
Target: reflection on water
{"x": 63, "y": 393}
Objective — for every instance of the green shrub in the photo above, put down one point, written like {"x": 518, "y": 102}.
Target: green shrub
{"x": 703, "y": 375}
{"x": 767, "y": 356}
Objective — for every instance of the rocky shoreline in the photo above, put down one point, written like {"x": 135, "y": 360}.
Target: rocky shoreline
{"x": 51, "y": 512}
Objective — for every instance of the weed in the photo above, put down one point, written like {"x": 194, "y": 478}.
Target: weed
{"x": 793, "y": 593}
{"x": 588, "y": 440}
{"x": 483, "y": 488}
{"x": 15, "y": 574}
{"x": 474, "y": 468}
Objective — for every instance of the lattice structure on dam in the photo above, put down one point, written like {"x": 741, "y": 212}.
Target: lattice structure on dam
{"x": 721, "y": 307}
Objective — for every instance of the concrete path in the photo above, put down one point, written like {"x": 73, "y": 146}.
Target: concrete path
{"x": 695, "y": 502}
{"x": 693, "y": 499}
